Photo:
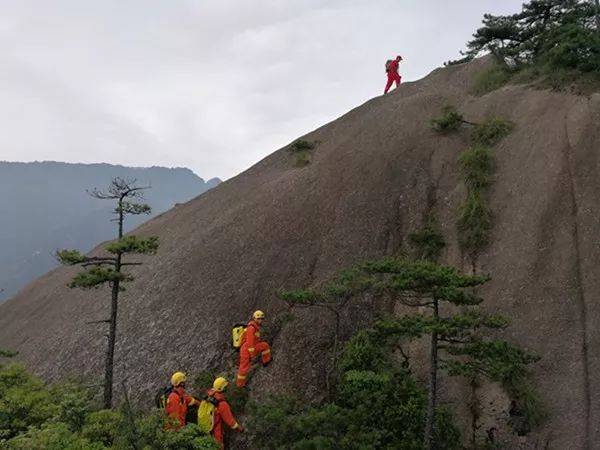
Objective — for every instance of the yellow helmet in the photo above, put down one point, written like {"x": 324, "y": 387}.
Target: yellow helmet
{"x": 258, "y": 315}
{"x": 177, "y": 378}
{"x": 220, "y": 384}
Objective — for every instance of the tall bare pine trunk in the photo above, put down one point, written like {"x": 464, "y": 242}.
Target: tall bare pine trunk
{"x": 431, "y": 400}
{"x": 112, "y": 331}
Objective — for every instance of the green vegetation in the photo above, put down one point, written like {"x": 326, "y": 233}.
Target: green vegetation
{"x": 474, "y": 221}
{"x": 528, "y": 410}
{"x": 459, "y": 342}
{"x": 491, "y": 131}
{"x": 450, "y": 120}
{"x": 477, "y": 164}
{"x": 301, "y": 149}
{"x": 37, "y": 416}
{"x": 301, "y": 145}
{"x": 428, "y": 242}
{"x": 377, "y": 405}
{"x": 491, "y": 79}
{"x": 560, "y": 39}
{"x": 474, "y": 224}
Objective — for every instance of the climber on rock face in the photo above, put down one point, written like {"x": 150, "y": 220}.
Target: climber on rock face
{"x": 391, "y": 68}
{"x": 252, "y": 347}
{"x": 178, "y": 401}
{"x": 222, "y": 411}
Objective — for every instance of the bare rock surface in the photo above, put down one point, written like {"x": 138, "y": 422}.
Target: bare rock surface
{"x": 374, "y": 173}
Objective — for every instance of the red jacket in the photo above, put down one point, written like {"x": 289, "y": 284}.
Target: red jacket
{"x": 177, "y": 406}
{"x": 393, "y": 67}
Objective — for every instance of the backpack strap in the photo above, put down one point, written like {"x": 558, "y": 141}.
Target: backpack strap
{"x": 181, "y": 397}
{"x": 211, "y": 399}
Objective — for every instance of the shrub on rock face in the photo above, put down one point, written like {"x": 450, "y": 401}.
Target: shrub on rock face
{"x": 301, "y": 145}
{"x": 301, "y": 149}
{"x": 477, "y": 166}
{"x": 450, "y": 120}
{"x": 491, "y": 131}
{"x": 474, "y": 223}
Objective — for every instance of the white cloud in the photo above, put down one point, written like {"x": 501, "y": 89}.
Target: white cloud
{"x": 214, "y": 85}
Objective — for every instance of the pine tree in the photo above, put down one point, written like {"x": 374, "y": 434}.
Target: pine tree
{"x": 541, "y": 26}
{"x": 109, "y": 269}
{"x": 456, "y": 342}
{"x": 454, "y": 325}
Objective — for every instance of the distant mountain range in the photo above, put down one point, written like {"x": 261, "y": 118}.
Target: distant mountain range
{"x": 44, "y": 206}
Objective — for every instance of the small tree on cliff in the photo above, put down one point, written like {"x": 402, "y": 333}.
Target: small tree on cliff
{"x": 456, "y": 342}
{"x": 109, "y": 269}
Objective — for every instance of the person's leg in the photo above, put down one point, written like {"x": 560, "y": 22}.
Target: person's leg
{"x": 218, "y": 436}
{"x": 265, "y": 352}
{"x": 390, "y": 80}
{"x": 398, "y": 80}
{"x": 244, "y": 368}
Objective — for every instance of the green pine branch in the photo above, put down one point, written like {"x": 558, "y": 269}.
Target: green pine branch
{"x": 96, "y": 276}
{"x": 70, "y": 257}
{"x": 134, "y": 244}
{"x": 134, "y": 209}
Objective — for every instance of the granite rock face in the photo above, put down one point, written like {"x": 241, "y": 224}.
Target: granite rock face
{"x": 373, "y": 175}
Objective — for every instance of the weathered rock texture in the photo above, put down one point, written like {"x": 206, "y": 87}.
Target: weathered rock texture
{"x": 374, "y": 173}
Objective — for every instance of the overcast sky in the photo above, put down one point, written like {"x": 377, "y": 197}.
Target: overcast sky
{"x": 213, "y": 85}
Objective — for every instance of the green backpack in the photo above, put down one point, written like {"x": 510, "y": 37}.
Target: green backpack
{"x": 206, "y": 413}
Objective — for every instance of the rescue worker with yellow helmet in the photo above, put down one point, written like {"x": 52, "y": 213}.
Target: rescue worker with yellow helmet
{"x": 223, "y": 414}
{"x": 178, "y": 402}
{"x": 252, "y": 347}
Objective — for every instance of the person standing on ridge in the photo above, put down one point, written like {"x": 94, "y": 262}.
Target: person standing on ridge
{"x": 178, "y": 402}
{"x": 391, "y": 68}
{"x": 222, "y": 413}
{"x": 252, "y": 347}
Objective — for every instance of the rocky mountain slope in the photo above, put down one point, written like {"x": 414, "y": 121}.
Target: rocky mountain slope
{"x": 373, "y": 175}
{"x": 45, "y": 207}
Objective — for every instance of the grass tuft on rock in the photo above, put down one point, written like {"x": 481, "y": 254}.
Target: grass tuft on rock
{"x": 477, "y": 164}
{"x": 301, "y": 149}
{"x": 450, "y": 120}
{"x": 491, "y": 131}
{"x": 474, "y": 223}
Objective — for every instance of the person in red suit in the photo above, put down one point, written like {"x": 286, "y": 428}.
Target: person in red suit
{"x": 391, "y": 68}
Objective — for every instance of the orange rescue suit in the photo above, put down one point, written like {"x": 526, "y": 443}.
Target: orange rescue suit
{"x": 223, "y": 414}
{"x": 252, "y": 346}
{"x": 177, "y": 406}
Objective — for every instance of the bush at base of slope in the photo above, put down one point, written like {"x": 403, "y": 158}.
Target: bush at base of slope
{"x": 376, "y": 406}
{"x": 37, "y": 416}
